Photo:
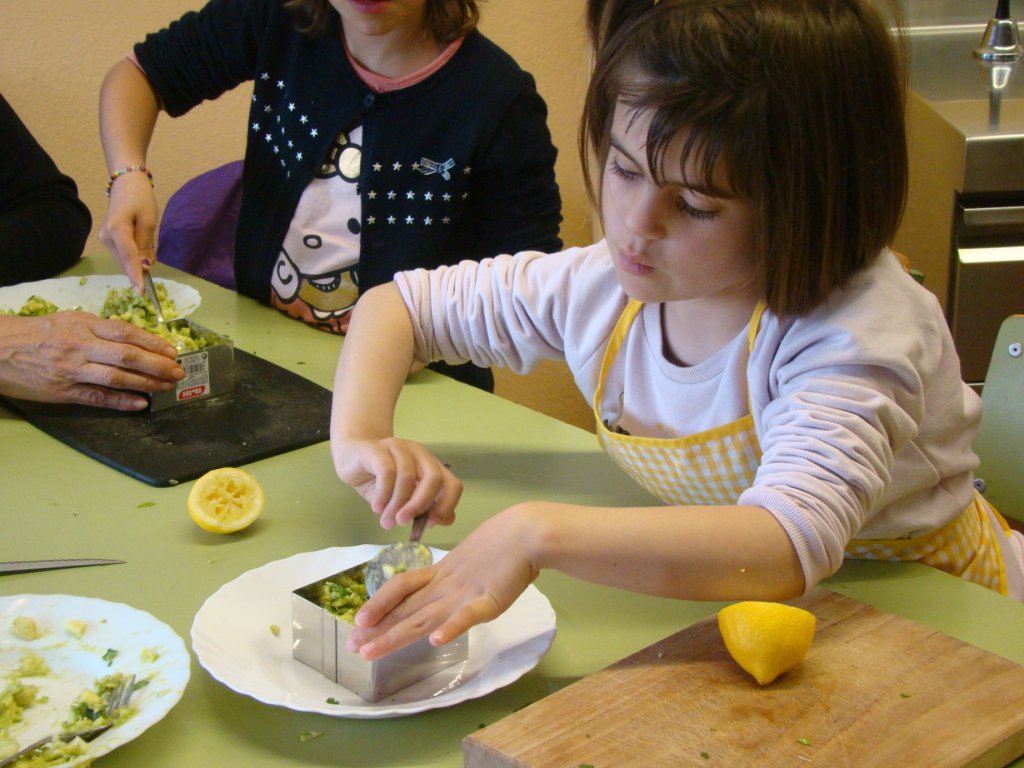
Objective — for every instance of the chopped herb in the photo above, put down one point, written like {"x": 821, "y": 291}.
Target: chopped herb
{"x": 705, "y": 756}
{"x": 109, "y": 656}
{"x": 332, "y": 700}
{"x": 310, "y": 735}
{"x": 805, "y": 741}
{"x": 300, "y": 362}
{"x": 145, "y": 504}
{"x": 276, "y": 632}
{"x": 586, "y": 765}
{"x": 904, "y": 695}
{"x": 480, "y": 725}
{"x": 140, "y": 684}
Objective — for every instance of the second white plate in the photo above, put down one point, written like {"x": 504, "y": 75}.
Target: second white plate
{"x": 89, "y": 292}
{"x": 117, "y": 638}
{"x": 233, "y": 640}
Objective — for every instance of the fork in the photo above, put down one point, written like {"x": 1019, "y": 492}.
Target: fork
{"x": 119, "y": 697}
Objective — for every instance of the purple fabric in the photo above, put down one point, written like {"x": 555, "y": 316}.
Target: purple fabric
{"x": 197, "y": 231}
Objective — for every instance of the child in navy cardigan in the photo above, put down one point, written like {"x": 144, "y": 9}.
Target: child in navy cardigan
{"x": 381, "y": 137}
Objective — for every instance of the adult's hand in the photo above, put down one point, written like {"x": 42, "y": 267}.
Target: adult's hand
{"x": 77, "y": 357}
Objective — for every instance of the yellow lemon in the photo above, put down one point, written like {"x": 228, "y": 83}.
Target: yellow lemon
{"x": 225, "y": 500}
{"x": 766, "y": 639}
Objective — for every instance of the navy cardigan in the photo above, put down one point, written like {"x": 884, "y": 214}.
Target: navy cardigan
{"x": 460, "y": 165}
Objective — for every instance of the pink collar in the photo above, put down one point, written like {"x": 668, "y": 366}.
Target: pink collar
{"x": 381, "y": 84}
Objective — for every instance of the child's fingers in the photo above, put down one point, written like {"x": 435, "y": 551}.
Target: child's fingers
{"x": 388, "y": 598}
{"x": 379, "y": 466}
{"x": 407, "y": 479}
{"x": 443, "y": 511}
{"x": 480, "y": 610}
{"x": 431, "y": 487}
{"x": 421, "y": 480}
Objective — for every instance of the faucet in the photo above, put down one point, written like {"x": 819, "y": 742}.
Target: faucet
{"x": 998, "y": 55}
{"x": 1001, "y": 42}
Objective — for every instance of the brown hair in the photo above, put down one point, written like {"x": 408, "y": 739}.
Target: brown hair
{"x": 448, "y": 20}
{"x": 802, "y": 99}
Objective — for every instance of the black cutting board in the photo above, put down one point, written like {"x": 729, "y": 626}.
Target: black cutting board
{"x": 271, "y": 411}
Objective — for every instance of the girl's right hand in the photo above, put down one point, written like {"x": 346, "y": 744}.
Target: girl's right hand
{"x": 399, "y": 478}
{"x": 129, "y": 227}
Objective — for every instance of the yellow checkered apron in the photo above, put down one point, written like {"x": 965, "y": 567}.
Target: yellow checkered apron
{"x": 966, "y": 547}
{"x": 710, "y": 467}
{"x": 715, "y": 466}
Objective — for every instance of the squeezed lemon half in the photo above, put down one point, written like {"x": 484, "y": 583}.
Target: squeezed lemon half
{"x": 766, "y": 639}
{"x": 225, "y": 500}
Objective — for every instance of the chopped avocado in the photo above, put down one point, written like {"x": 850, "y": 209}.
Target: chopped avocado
{"x": 25, "y": 628}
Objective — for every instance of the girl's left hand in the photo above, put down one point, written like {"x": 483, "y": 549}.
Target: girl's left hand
{"x": 474, "y": 583}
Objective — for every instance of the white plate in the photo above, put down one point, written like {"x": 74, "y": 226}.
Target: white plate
{"x": 76, "y": 663}
{"x": 232, "y": 638}
{"x": 89, "y": 292}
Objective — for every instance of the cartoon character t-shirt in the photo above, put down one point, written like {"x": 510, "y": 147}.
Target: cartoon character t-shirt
{"x": 315, "y": 275}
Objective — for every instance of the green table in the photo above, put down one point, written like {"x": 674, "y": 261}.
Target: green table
{"x": 57, "y": 503}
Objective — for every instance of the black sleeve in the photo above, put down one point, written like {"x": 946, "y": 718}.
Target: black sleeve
{"x": 205, "y": 53}
{"x": 43, "y": 224}
{"x": 518, "y": 206}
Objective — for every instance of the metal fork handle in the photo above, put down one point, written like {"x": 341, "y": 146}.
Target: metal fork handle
{"x": 86, "y": 735}
{"x": 418, "y": 526}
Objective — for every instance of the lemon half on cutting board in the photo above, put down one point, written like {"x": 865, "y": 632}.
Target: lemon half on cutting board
{"x": 766, "y": 639}
{"x": 225, "y": 500}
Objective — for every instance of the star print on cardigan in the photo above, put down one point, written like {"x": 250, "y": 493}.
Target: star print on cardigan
{"x": 411, "y": 191}
{"x": 415, "y": 192}
{"x": 285, "y": 128}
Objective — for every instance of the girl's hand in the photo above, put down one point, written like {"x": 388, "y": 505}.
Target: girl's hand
{"x": 129, "y": 227}
{"x": 474, "y": 583}
{"x": 399, "y": 478}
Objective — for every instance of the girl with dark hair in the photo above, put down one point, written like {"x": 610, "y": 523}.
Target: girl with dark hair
{"x": 383, "y": 135}
{"x": 756, "y": 356}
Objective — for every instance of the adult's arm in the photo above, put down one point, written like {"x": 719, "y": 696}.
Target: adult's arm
{"x": 43, "y": 223}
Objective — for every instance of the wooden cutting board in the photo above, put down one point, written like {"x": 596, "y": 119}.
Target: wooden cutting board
{"x": 874, "y": 690}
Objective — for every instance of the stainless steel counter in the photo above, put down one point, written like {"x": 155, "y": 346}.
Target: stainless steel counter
{"x": 982, "y": 103}
{"x": 966, "y": 144}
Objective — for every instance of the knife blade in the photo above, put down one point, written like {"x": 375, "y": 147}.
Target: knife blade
{"x": 150, "y": 291}
{"x": 26, "y": 566}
